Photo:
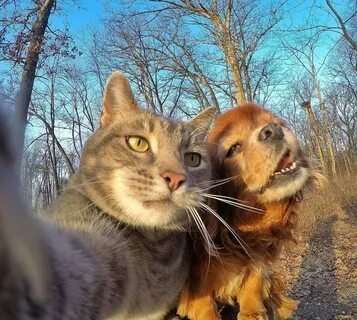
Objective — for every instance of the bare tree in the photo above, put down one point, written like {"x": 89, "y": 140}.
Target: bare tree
{"x": 342, "y": 23}
{"x": 229, "y": 25}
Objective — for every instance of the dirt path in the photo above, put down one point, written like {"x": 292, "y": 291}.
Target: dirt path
{"x": 322, "y": 269}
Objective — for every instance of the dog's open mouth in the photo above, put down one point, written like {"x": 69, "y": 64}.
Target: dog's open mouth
{"x": 286, "y": 165}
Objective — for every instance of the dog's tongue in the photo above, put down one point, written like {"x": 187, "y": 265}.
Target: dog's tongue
{"x": 285, "y": 162}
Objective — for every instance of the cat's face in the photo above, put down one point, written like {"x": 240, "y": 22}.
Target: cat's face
{"x": 142, "y": 169}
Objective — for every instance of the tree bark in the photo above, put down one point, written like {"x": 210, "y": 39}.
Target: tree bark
{"x": 28, "y": 76}
{"x": 325, "y": 124}
{"x": 313, "y": 124}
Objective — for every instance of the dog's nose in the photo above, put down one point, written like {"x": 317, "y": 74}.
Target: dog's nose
{"x": 173, "y": 179}
{"x": 271, "y": 131}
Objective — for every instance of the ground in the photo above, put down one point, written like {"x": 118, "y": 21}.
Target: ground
{"x": 321, "y": 270}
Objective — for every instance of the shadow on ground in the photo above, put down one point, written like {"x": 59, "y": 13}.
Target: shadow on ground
{"x": 350, "y": 208}
{"x": 316, "y": 286}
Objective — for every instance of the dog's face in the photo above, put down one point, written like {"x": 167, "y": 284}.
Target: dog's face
{"x": 257, "y": 148}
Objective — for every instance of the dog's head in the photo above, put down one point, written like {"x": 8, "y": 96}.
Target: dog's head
{"x": 261, "y": 152}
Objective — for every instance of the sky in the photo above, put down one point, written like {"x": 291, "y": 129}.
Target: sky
{"x": 89, "y": 15}
{"x": 84, "y": 16}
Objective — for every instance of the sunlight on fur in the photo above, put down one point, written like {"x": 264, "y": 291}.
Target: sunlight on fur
{"x": 256, "y": 210}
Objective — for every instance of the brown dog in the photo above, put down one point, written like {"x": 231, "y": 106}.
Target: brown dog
{"x": 269, "y": 171}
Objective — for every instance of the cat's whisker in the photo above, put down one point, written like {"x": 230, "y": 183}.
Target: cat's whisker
{"x": 210, "y": 246}
{"x": 189, "y": 225}
{"x": 234, "y": 203}
{"x": 242, "y": 243}
{"x": 225, "y": 197}
{"x": 218, "y": 184}
{"x": 81, "y": 185}
{"x": 211, "y": 182}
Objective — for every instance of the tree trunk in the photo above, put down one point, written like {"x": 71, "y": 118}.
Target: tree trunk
{"x": 28, "y": 76}
{"x": 325, "y": 124}
{"x": 313, "y": 124}
{"x": 232, "y": 60}
{"x": 248, "y": 88}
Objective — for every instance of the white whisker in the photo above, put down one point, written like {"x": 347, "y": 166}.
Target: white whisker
{"x": 210, "y": 182}
{"x": 234, "y": 203}
{"x": 210, "y": 246}
{"x": 220, "y": 183}
{"x": 244, "y": 246}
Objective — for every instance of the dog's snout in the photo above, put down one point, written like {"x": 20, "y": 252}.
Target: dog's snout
{"x": 271, "y": 131}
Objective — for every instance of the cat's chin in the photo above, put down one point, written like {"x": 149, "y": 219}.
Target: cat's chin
{"x": 164, "y": 214}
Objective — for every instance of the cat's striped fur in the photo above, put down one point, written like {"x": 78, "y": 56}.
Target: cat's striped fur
{"x": 113, "y": 245}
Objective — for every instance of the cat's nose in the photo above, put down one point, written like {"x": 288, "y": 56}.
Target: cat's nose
{"x": 271, "y": 131}
{"x": 173, "y": 179}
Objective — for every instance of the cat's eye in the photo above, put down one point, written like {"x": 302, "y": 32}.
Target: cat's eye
{"x": 192, "y": 159}
{"x": 137, "y": 144}
{"x": 233, "y": 150}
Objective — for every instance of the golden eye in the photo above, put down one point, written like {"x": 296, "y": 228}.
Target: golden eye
{"x": 192, "y": 159}
{"x": 137, "y": 144}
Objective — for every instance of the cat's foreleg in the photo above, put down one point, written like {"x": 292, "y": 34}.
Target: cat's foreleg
{"x": 49, "y": 273}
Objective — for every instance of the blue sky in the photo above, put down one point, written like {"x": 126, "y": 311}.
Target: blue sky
{"x": 90, "y": 13}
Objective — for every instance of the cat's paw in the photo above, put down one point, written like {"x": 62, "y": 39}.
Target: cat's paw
{"x": 252, "y": 316}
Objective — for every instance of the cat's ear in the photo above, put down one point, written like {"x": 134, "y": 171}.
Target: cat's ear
{"x": 118, "y": 98}
{"x": 203, "y": 121}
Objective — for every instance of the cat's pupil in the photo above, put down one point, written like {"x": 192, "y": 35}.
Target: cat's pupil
{"x": 192, "y": 159}
{"x": 137, "y": 144}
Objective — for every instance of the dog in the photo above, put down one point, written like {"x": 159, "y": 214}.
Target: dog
{"x": 266, "y": 169}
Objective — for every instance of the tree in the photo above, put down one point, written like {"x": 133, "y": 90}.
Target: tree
{"x": 346, "y": 34}
{"x": 232, "y": 27}
{"x": 23, "y": 34}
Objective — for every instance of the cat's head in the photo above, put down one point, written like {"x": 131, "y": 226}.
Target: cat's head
{"x": 143, "y": 169}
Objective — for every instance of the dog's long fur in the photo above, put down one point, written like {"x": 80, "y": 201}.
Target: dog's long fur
{"x": 249, "y": 143}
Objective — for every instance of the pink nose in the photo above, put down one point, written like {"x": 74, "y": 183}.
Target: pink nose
{"x": 173, "y": 179}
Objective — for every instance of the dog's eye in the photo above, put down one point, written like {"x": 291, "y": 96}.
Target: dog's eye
{"x": 233, "y": 150}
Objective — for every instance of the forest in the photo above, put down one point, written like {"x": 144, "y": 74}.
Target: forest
{"x": 297, "y": 58}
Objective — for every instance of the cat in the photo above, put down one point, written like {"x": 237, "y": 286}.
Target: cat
{"x": 113, "y": 245}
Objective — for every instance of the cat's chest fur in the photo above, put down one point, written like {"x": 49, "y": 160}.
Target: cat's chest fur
{"x": 157, "y": 262}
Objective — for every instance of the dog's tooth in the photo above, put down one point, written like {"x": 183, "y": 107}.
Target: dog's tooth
{"x": 293, "y": 165}
{"x": 277, "y": 173}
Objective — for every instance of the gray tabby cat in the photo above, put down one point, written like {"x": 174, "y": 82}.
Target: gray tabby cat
{"x": 112, "y": 246}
